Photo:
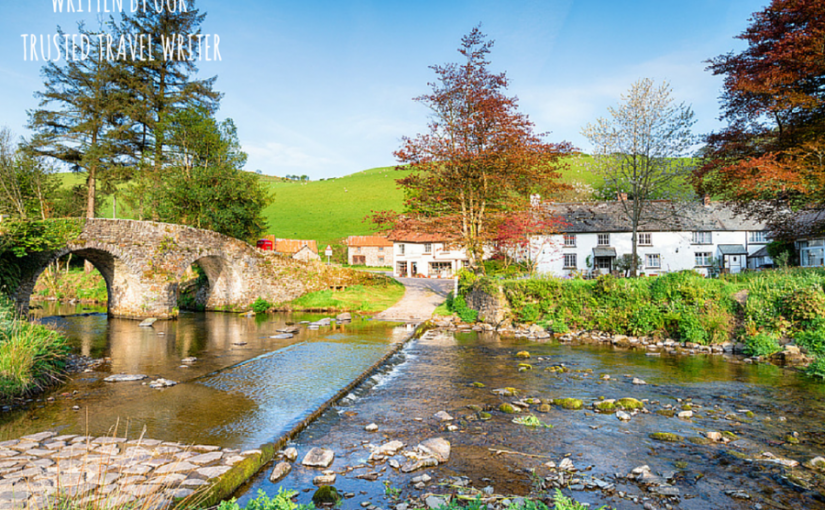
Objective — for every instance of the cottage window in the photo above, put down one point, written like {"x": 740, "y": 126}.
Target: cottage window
{"x": 570, "y": 240}
{"x": 604, "y": 240}
{"x": 653, "y": 260}
{"x": 758, "y": 237}
{"x": 401, "y": 249}
{"x": 570, "y": 261}
{"x": 703, "y": 259}
{"x": 428, "y": 248}
{"x": 357, "y": 249}
{"x": 645, "y": 239}
{"x": 703, "y": 238}
{"x": 380, "y": 248}
{"x": 380, "y": 260}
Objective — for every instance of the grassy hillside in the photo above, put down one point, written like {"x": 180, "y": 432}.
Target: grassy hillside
{"x": 331, "y": 209}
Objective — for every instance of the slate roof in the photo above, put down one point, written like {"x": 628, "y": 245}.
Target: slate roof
{"x": 368, "y": 241}
{"x": 732, "y": 249}
{"x": 408, "y": 236}
{"x": 601, "y": 251}
{"x": 592, "y": 217}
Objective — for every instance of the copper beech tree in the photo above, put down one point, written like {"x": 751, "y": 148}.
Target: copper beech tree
{"x": 479, "y": 160}
{"x": 770, "y": 158}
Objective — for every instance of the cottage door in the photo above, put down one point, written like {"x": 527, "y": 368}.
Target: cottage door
{"x": 735, "y": 264}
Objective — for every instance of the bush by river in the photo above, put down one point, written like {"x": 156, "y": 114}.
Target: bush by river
{"x": 31, "y": 356}
{"x": 763, "y": 310}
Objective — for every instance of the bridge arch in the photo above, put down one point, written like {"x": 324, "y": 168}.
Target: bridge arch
{"x": 224, "y": 285}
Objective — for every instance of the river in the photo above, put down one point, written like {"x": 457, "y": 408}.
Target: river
{"x": 243, "y": 395}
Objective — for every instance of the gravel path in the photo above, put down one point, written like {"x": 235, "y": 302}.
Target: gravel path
{"x": 420, "y": 300}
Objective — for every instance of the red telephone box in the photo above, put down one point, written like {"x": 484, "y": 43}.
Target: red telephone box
{"x": 265, "y": 245}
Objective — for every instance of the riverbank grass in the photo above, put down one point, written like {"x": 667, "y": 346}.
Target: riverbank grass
{"x": 31, "y": 356}
{"x": 356, "y": 298}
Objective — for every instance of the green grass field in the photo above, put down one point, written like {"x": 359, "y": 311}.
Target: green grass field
{"x": 332, "y": 209}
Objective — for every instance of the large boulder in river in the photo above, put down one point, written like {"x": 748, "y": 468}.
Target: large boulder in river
{"x": 319, "y": 457}
{"x": 342, "y": 317}
{"x": 280, "y": 470}
{"x": 438, "y": 447}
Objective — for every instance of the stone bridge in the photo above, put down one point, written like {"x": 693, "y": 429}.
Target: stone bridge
{"x": 143, "y": 263}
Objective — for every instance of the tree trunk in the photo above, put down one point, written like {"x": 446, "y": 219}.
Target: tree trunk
{"x": 90, "y": 207}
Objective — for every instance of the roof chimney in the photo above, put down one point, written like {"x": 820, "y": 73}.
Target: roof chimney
{"x": 622, "y": 197}
{"x": 706, "y": 200}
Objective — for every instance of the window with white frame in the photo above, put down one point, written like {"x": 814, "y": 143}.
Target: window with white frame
{"x": 812, "y": 253}
{"x": 644, "y": 239}
{"x": 570, "y": 261}
{"x": 604, "y": 240}
{"x": 428, "y": 248}
{"x": 401, "y": 249}
{"x": 653, "y": 260}
{"x": 570, "y": 240}
{"x": 703, "y": 259}
{"x": 758, "y": 237}
{"x": 703, "y": 238}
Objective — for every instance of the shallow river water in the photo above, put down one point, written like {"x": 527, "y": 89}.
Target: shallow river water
{"x": 243, "y": 395}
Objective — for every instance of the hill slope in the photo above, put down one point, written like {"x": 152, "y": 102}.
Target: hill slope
{"x": 331, "y": 209}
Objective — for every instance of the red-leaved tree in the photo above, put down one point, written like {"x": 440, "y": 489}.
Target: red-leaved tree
{"x": 479, "y": 160}
{"x": 771, "y": 157}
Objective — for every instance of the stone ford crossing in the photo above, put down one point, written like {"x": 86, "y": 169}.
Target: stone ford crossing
{"x": 142, "y": 263}
{"x": 112, "y": 470}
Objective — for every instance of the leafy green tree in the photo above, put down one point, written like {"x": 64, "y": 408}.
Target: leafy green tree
{"x": 160, "y": 86}
{"x": 79, "y": 120}
{"x": 204, "y": 184}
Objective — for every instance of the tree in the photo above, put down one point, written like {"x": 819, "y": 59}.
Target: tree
{"x": 27, "y": 185}
{"x": 641, "y": 153}
{"x": 79, "y": 121}
{"x": 480, "y": 158}
{"x": 771, "y": 156}
{"x": 161, "y": 85}
{"x": 625, "y": 265}
{"x": 204, "y": 183}
{"x": 524, "y": 235}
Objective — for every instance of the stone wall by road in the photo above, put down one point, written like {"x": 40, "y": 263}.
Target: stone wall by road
{"x": 491, "y": 308}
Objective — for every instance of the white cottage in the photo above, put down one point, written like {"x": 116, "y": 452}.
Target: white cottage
{"x": 425, "y": 255}
{"x": 686, "y": 236}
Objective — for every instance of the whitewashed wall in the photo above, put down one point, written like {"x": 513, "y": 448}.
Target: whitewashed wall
{"x": 414, "y": 252}
{"x": 675, "y": 249}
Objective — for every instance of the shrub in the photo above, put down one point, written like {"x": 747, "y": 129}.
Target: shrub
{"x": 281, "y": 501}
{"x": 762, "y": 344}
{"x": 458, "y": 306}
{"x": 261, "y": 305}
{"x": 813, "y": 340}
{"x": 804, "y": 304}
{"x": 645, "y": 320}
{"x": 817, "y": 368}
{"x": 529, "y": 313}
{"x": 690, "y": 328}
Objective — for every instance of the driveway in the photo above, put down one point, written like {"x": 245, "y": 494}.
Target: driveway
{"x": 422, "y": 297}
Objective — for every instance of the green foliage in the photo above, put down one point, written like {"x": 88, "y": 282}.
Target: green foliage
{"x": 204, "y": 185}
{"x": 24, "y": 237}
{"x": 458, "y": 306}
{"x": 31, "y": 356}
{"x": 531, "y": 421}
{"x": 804, "y": 304}
{"x": 817, "y": 368}
{"x": 762, "y": 344}
{"x": 281, "y": 501}
{"x": 261, "y": 305}
{"x": 625, "y": 265}
{"x": 813, "y": 339}
{"x": 562, "y": 502}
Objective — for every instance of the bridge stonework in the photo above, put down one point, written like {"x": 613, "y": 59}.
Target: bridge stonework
{"x": 143, "y": 262}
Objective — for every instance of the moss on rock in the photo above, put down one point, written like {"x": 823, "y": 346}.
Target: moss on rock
{"x": 508, "y": 408}
{"x": 628, "y": 403}
{"x": 568, "y": 403}
{"x": 523, "y": 354}
{"x": 699, "y": 440}
{"x": 667, "y": 413}
{"x": 544, "y": 408}
{"x": 606, "y": 406}
{"x": 667, "y": 437}
{"x": 478, "y": 385}
{"x": 326, "y": 495}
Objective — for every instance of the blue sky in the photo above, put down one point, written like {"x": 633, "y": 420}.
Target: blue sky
{"x": 325, "y": 88}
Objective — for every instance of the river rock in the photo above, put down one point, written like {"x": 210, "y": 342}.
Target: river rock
{"x": 346, "y": 316}
{"x": 188, "y": 361}
{"x": 389, "y": 449}
{"x": 566, "y": 465}
{"x": 282, "y": 336}
{"x": 638, "y": 381}
{"x": 434, "y": 502}
{"x": 290, "y": 454}
{"x": 622, "y": 416}
{"x": 372, "y": 427}
{"x": 816, "y": 463}
{"x": 714, "y": 436}
{"x": 291, "y": 330}
{"x": 415, "y": 465}
{"x": 162, "y": 383}
{"x": 324, "y": 479}
{"x": 147, "y": 323}
{"x": 318, "y": 457}
{"x": 443, "y": 416}
{"x": 126, "y": 377}
{"x": 438, "y": 447}
{"x": 685, "y": 415}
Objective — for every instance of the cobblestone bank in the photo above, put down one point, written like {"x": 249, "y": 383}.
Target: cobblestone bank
{"x": 108, "y": 471}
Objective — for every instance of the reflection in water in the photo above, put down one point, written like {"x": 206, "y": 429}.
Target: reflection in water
{"x": 245, "y": 389}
